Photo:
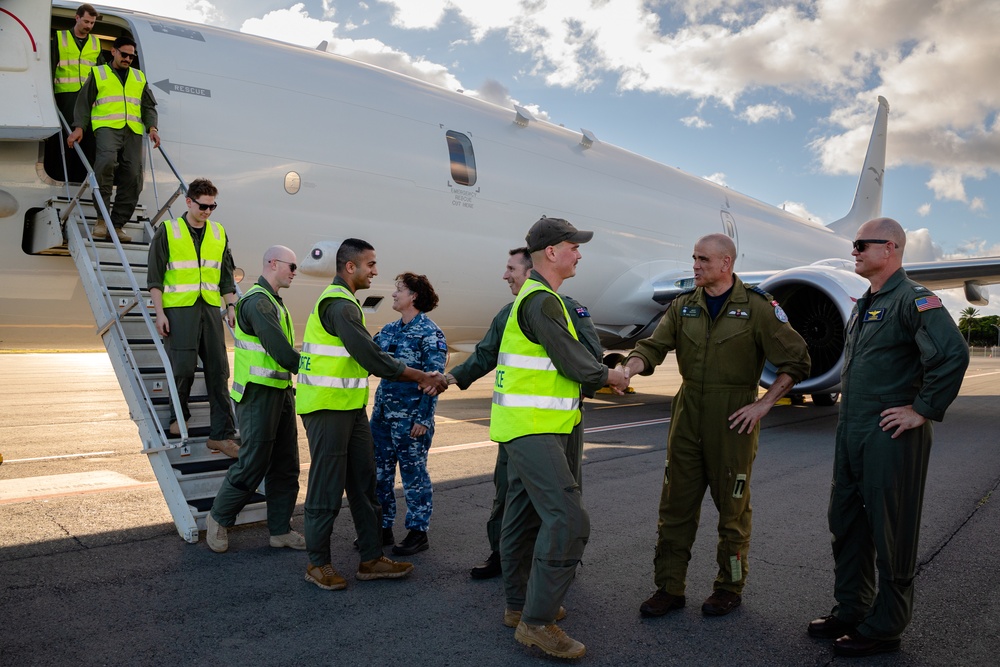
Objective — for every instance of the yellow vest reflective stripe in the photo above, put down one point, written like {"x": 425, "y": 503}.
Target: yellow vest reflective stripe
{"x": 329, "y": 377}
{"x": 74, "y": 63}
{"x": 251, "y": 363}
{"x": 529, "y": 395}
{"x": 187, "y": 277}
{"x": 118, "y": 105}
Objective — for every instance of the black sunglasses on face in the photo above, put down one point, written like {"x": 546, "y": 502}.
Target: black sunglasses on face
{"x": 291, "y": 265}
{"x": 862, "y": 244}
{"x": 129, "y": 56}
{"x": 206, "y": 207}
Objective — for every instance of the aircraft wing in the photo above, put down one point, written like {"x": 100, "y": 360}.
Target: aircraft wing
{"x": 968, "y": 274}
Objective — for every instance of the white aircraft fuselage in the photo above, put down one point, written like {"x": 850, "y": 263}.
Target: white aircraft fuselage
{"x": 306, "y": 146}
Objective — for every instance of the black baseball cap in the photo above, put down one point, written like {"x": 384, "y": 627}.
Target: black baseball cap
{"x": 551, "y": 231}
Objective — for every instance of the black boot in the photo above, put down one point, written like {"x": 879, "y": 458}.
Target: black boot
{"x": 488, "y": 569}
{"x": 387, "y": 537}
{"x": 414, "y": 542}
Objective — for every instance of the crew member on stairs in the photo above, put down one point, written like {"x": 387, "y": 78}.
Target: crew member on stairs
{"x": 119, "y": 106}
{"x": 190, "y": 273}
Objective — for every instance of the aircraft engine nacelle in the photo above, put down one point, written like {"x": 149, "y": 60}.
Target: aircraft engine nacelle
{"x": 818, "y": 299}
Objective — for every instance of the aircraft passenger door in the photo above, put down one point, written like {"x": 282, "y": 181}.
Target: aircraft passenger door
{"x": 29, "y": 106}
{"x": 729, "y": 228}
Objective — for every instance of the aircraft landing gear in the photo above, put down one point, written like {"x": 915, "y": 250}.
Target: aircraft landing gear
{"x": 825, "y": 400}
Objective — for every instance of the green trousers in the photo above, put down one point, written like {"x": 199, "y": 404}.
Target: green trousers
{"x": 545, "y": 527}
{"x": 196, "y": 332}
{"x": 875, "y": 506}
{"x": 574, "y": 457}
{"x": 702, "y": 452}
{"x": 118, "y": 164}
{"x": 269, "y": 453}
{"x": 343, "y": 459}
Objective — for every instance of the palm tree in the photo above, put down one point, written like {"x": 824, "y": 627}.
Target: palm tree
{"x": 967, "y": 318}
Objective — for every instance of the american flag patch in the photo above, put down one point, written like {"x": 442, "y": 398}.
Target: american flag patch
{"x": 927, "y": 303}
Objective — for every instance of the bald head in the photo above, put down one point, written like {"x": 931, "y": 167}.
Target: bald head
{"x": 279, "y": 266}
{"x": 721, "y": 244}
{"x": 714, "y": 256}
{"x": 884, "y": 228}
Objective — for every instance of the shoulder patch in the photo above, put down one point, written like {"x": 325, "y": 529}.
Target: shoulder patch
{"x": 928, "y": 303}
{"x": 757, "y": 290}
{"x": 582, "y": 311}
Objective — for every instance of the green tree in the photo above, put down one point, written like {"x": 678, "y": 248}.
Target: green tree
{"x": 966, "y": 320}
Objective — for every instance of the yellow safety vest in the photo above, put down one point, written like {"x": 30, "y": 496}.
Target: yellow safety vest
{"x": 74, "y": 63}
{"x": 186, "y": 276}
{"x": 250, "y": 362}
{"x": 117, "y": 105}
{"x": 329, "y": 377}
{"x": 529, "y": 395}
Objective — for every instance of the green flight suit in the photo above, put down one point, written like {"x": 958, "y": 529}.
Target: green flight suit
{"x": 269, "y": 450}
{"x": 720, "y": 363}
{"x": 902, "y": 348}
{"x": 484, "y": 359}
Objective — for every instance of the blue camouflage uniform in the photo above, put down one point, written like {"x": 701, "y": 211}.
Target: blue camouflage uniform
{"x": 398, "y": 406}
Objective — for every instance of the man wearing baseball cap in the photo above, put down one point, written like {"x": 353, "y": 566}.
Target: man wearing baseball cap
{"x": 542, "y": 369}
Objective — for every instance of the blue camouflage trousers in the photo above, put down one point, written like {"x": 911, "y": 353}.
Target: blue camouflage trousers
{"x": 394, "y": 444}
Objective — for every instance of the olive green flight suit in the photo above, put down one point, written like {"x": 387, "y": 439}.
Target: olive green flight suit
{"x": 902, "y": 348}
{"x": 720, "y": 363}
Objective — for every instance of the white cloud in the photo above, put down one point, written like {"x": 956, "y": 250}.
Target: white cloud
{"x": 845, "y": 53}
{"x": 196, "y": 11}
{"x": 947, "y": 185}
{"x": 696, "y": 122}
{"x": 920, "y": 247}
{"x": 718, "y": 178}
{"x": 924, "y": 210}
{"x": 799, "y": 209}
{"x": 757, "y": 113}
{"x": 294, "y": 25}
{"x": 977, "y": 204}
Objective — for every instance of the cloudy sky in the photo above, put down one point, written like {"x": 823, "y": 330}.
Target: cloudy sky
{"x": 773, "y": 99}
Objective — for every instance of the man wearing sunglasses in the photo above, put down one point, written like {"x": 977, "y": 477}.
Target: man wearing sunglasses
{"x": 904, "y": 361}
{"x": 118, "y": 105}
{"x": 263, "y": 364}
{"x": 189, "y": 276}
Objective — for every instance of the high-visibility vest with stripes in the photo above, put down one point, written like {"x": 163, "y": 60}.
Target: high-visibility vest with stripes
{"x": 186, "y": 276}
{"x": 529, "y": 395}
{"x": 117, "y": 105}
{"x": 251, "y": 363}
{"x": 74, "y": 63}
{"x": 329, "y": 377}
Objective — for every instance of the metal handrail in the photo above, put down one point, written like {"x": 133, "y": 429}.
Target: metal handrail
{"x": 116, "y": 321}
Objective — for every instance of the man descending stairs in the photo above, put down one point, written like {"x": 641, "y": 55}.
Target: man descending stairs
{"x": 189, "y": 275}
{"x": 113, "y": 275}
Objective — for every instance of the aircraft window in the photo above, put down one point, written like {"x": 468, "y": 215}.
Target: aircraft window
{"x": 463, "y": 159}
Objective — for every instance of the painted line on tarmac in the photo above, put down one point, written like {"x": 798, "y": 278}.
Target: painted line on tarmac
{"x": 81, "y": 483}
{"x": 60, "y": 456}
{"x": 48, "y": 486}
{"x": 982, "y": 375}
{"x": 594, "y": 429}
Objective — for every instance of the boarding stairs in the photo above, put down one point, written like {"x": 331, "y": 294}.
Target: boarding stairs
{"x": 113, "y": 275}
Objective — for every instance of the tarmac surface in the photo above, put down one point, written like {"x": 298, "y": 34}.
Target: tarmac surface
{"x": 93, "y": 572}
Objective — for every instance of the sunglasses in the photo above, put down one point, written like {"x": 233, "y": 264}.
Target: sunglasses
{"x": 206, "y": 207}
{"x": 126, "y": 56}
{"x": 862, "y": 244}
{"x": 291, "y": 265}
